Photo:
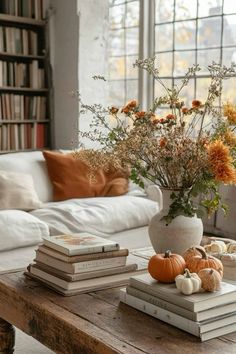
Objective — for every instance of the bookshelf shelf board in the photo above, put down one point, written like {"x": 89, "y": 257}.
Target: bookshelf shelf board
{"x": 17, "y": 121}
{"x": 22, "y": 150}
{"x": 21, "y": 56}
{"x": 21, "y": 20}
{"x": 22, "y": 89}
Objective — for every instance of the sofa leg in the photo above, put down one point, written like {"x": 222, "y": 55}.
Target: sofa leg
{"x": 7, "y": 337}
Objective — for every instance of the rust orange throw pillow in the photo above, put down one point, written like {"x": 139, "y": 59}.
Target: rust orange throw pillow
{"x": 70, "y": 178}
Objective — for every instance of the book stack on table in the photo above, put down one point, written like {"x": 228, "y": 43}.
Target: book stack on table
{"x": 78, "y": 263}
{"x": 205, "y": 315}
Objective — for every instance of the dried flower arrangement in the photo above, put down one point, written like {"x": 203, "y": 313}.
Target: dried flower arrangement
{"x": 190, "y": 150}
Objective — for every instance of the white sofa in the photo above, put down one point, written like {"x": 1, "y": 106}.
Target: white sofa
{"x": 123, "y": 218}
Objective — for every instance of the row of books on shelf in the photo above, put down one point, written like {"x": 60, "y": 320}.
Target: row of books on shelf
{"x": 205, "y": 315}
{"x": 22, "y": 74}
{"x": 25, "y": 8}
{"x": 18, "y": 41}
{"x": 21, "y": 107}
{"x": 78, "y": 263}
{"x": 23, "y": 136}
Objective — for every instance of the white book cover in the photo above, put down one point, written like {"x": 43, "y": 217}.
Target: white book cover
{"x": 81, "y": 267}
{"x": 195, "y": 302}
{"x": 195, "y": 316}
{"x": 82, "y": 243}
{"x": 196, "y": 328}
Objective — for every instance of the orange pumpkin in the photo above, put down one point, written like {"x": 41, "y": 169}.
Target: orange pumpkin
{"x": 196, "y": 263}
{"x": 191, "y": 252}
{"x": 166, "y": 266}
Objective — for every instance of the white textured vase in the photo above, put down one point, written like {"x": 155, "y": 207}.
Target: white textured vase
{"x": 182, "y": 233}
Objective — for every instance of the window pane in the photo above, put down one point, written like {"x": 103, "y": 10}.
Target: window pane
{"x": 229, "y": 56}
{"x": 159, "y": 90}
{"x": 164, "y": 61}
{"x": 164, "y": 10}
{"x": 131, "y": 72}
{"x": 116, "y": 42}
{"x": 209, "y": 7}
{"x": 132, "y": 14}
{"x": 183, "y": 60}
{"x": 185, "y": 9}
{"x": 209, "y": 32}
{"x": 116, "y": 93}
{"x": 116, "y": 68}
{"x": 229, "y": 36}
{"x": 229, "y": 6}
{"x": 132, "y": 90}
{"x": 185, "y": 35}
{"x": 202, "y": 88}
{"x": 132, "y": 40}
{"x": 229, "y": 90}
{"x": 205, "y": 57}
{"x": 187, "y": 93}
{"x": 116, "y": 2}
{"x": 116, "y": 16}
{"x": 164, "y": 37}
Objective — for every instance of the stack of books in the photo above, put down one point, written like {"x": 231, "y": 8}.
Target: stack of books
{"x": 78, "y": 263}
{"x": 205, "y": 315}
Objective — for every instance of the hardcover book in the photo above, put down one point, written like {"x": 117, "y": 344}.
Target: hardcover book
{"x": 88, "y": 285}
{"x": 205, "y": 330}
{"x": 76, "y": 284}
{"x": 88, "y": 275}
{"x": 195, "y": 302}
{"x": 83, "y": 257}
{"x": 80, "y": 267}
{"x": 194, "y": 316}
{"x": 82, "y": 243}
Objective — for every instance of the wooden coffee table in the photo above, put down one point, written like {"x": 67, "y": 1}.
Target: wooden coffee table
{"x": 90, "y": 323}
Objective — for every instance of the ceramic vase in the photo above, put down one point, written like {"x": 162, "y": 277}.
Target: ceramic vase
{"x": 180, "y": 234}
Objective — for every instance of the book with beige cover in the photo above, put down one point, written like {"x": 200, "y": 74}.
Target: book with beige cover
{"x": 78, "y": 244}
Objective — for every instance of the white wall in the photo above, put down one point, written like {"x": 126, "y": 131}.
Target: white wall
{"x": 64, "y": 47}
{"x": 78, "y": 40}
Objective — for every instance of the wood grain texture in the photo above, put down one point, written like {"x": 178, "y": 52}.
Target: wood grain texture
{"x": 7, "y": 337}
{"x": 94, "y": 323}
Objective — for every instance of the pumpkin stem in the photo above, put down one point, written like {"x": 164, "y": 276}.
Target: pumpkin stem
{"x": 167, "y": 254}
{"x": 211, "y": 271}
{"x": 203, "y": 253}
{"x": 187, "y": 272}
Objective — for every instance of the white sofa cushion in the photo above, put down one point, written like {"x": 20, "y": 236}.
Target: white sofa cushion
{"x": 19, "y": 229}
{"x": 30, "y": 163}
{"x": 17, "y": 191}
{"x": 102, "y": 216}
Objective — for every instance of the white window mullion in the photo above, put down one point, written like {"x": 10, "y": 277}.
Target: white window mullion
{"x": 146, "y": 50}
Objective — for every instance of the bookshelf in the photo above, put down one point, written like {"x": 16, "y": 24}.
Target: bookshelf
{"x": 25, "y": 93}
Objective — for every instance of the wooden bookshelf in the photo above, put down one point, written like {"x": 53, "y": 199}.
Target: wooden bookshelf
{"x": 21, "y": 20}
{"x": 25, "y": 119}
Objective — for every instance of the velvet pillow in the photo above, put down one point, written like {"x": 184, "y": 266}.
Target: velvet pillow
{"x": 70, "y": 178}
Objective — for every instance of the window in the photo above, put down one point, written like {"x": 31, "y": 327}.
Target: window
{"x": 191, "y": 32}
{"x": 123, "y": 50}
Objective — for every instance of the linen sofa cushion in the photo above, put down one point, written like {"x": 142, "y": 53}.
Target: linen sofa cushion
{"x": 17, "y": 191}
{"x": 70, "y": 178}
{"x": 20, "y": 229}
{"x": 33, "y": 163}
{"x": 101, "y": 216}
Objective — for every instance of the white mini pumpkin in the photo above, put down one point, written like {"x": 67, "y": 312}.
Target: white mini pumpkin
{"x": 188, "y": 283}
{"x": 216, "y": 247}
{"x": 231, "y": 247}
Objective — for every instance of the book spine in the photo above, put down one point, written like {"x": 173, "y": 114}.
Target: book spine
{"x": 161, "y": 303}
{"x": 179, "y": 301}
{"x": 106, "y": 263}
{"x": 160, "y": 313}
{"x": 82, "y": 266}
{"x": 82, "y": 258}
